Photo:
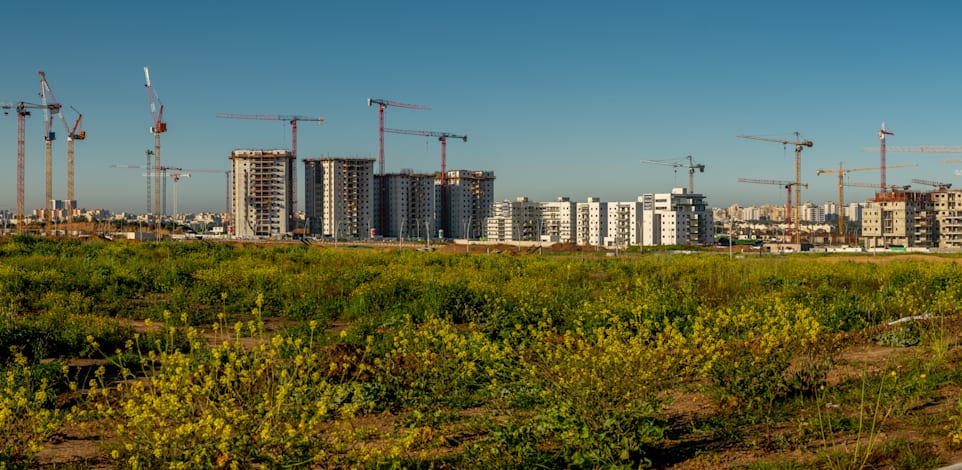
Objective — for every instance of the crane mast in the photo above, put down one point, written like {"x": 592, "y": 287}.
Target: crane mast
{"x": 50, "y": 107}
{"x": 881, "y": 137}
{"x": 799, "y": 145}
{"x": 158, "y": 127}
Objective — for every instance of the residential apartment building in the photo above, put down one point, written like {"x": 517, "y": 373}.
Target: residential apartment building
{"x": 262, "y": 193}
{"x": 339, "y": 197}
{"x": 624, "y": 223}
{"x": 901, "y": 218}
{"x": 592, "y": 221}
{"x": 948, "y": 215}
{"x": 560, "y": 220}
{"x": 677, "y": 218}
{"x": 518, "y": 220}
{"x": 410, "y": 206}
{"x": 470, "y": 197}
{"x": 812, "y": 213}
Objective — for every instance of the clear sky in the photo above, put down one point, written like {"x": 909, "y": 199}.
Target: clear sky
{"x": 558, "y": 98}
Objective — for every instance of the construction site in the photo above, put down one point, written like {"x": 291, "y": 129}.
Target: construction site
{"x": 354, "y": 198}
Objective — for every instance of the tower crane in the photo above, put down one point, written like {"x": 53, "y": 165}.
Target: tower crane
{"x": 940, "y": 186}
{"x": 881, "y": 137}
{"x": 226, "y": 173}
{"x": 382, "y": 190}
{"x": 293, "y": 120}
{"x": 841, "y": 172}
{"x": 176, "y": 176}
{"x": 921, "y": 149}
{"x": 22, "y": 112}
{"x": 799, "y": 145}
{"x": 915, "y": 149}
{"x": 788, "y": 200}
{"x": 51, "y": 107}
{"x": 691, "y": 170}
{"x": 443, "y": 138}
{"x": 891, "y": 187}
{"x": 74, "y": 133}
{"x": 158, "y": 127}
{"x": 158, "y": 172}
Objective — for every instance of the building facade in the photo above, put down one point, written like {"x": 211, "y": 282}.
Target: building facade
{"x": 410, "y": 205}
{"x": 339, "y": 197}
{"x": 677, "y": 218}
{"x": 560, "y": 220}
{"x": 592, "y": 221}
{"x": 900, "y": 218}
{"x": 262, "y": 193}
{"x": 624, "y": 223}
{"x": 518, "y": 220}
{"x": 470, "y": 198}
{"x": 948, "y": 215}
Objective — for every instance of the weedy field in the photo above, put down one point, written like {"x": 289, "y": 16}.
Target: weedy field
{"x": 187, "y": 355}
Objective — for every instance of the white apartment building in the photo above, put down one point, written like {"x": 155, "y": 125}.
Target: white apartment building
{"x": 812, "y": 213}
{"x": 518, "y": 220}
{"x": 676, "y": 218}
{"x": 751, "y": 213}
{"x": 560, "y": 220}
{"x": 470, "y": 197}
{"x": 339, "y": 197}
{"x": 592, "y": 221}
{"x": 830, "y": 209}
{"x": 262, "y": 193}
{"x": 409, "y": 205}
{"x": 624, "y": 223}
{"x": 853, "y": 211}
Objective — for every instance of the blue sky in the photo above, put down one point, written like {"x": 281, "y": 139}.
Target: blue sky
{"x": 557, "y": 98}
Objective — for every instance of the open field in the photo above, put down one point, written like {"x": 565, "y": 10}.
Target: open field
{"x": 229, "y": 355}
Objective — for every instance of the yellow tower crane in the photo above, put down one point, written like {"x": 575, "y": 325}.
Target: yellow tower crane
{"x": 841, "y": 199}
{"x": 799, "y": 145}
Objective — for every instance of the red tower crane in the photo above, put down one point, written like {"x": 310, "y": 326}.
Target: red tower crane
{"x": 382, "y": 190}
{"x": 158, "y": 127}
{"x": 293, "y": 120}
{"x": 799, "y": 145}
{"x": 74, "y": 133}
{"x": 788, "y": 202}
{"x": 443, "y": 137}
{"x": 916, "y": 149}
{"x": 22, "y": 112}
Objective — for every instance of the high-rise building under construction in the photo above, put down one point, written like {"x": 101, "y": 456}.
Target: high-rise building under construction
{"x": 262, "y": 193}
{"x": 339, "y": 197}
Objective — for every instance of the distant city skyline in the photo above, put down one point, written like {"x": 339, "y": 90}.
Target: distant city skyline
{"x": 557, "y": 99}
